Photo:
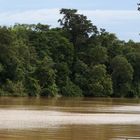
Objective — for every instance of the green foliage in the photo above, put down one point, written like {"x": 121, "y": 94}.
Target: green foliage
{"x": 71, "y": 90}
{"x": 77, "y": 26}
{"x": 122, "y": 76}
{"x": 81, "y": 76}
{"x": 32, "y": 87}
{"x": 61, "y": 47}
{"x": 14, "y": 88}
{"x": 50, "y": 91}
{"x": 46, "y": 76}
{"x": 74, "y": 60}
{"x": 97, "y": 55}
{"x": 100, "y": 83}
{"x": 134, "y": 59}
{"x": 62, "y": 74}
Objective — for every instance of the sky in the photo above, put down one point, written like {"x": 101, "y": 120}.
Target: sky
{"x": 116, "y": 16}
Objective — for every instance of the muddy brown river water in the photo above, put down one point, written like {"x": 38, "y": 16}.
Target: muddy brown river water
{"x": 69, "y": 119}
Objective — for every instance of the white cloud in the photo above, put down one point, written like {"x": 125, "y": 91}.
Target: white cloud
{"x": 123, "y": 22}
{"x": 48, "y": 16}
{"x": 113, "y": 17}
{"x": 112, "y": 14}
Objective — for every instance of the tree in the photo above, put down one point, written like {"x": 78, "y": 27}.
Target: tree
{"x": 73, "y": 60}
{"x": 81, "y": 76}
{"x": 134, "y": 59}
{"x": 46, "y": 76}
{"x": 78, "y": 29}
{"x": 100, "y": 83}
{"x": 77, "y": 26}
{"x": 61, "y": 47}
{"x": 15, "y": 88}
{"x": 97, "y": 55}
{"x": 62, "y": 74}
{"x": 71, "y": 90}
{"x": 122, "y": 76}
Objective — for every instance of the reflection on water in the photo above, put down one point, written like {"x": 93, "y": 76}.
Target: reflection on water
{"x": 68, "y": 119}
{"x": 71, "y": 132}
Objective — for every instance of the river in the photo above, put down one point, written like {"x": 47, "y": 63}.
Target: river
{"x": 69, "y": 119}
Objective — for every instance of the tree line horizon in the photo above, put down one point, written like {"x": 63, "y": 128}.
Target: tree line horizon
{"x": 74, "y": 60}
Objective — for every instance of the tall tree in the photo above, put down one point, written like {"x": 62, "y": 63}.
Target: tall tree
{"x": 78, "y": 29}
{"x": 99, "y": 83}
{"x": 122, "y": 76}
{"x": 77, "y": 26}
